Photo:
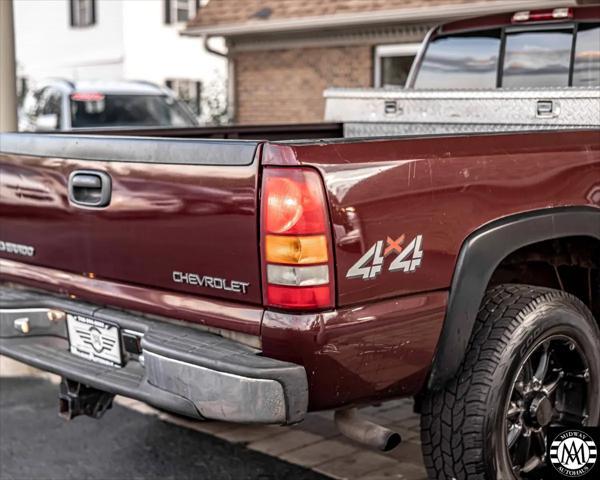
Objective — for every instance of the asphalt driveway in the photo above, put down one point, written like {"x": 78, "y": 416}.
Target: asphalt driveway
{"x": 36, "y": 444}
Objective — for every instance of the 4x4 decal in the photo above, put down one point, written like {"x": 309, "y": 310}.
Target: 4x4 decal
{"x": 408, "y": 258}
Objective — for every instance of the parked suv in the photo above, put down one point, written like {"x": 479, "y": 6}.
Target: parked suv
{"x": 64, "y": 105}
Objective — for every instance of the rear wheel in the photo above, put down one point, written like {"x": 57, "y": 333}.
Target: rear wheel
{"x": 533, "y": 362}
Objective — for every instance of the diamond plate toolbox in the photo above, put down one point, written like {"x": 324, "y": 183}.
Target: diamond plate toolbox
{"x": 376, "y": 112}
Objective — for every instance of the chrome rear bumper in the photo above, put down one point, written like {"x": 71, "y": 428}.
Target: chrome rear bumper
{"x": 181, "y": 369}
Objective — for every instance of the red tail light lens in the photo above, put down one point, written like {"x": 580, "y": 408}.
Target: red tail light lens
{"x": 295, "y": 240}
{"x": 306, "y": 298}
{"x": 295, "y": 202}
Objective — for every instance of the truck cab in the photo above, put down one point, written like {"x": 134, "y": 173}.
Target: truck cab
{"x": 529, "y": 49}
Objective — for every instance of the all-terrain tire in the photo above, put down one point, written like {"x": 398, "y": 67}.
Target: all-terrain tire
{"x": 461, "y": 423}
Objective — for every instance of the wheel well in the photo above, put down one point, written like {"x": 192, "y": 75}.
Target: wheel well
{"x": 527, "y": 247}
{"x": 571, "y": 264}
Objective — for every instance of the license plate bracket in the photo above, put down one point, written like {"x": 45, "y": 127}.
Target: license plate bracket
{"x": 94, "y": 340}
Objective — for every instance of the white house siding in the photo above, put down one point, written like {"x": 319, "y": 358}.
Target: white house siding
{"x": 129, "y": 40}
{"x": 47, "y": 46}
{"x": 156, "y": 52}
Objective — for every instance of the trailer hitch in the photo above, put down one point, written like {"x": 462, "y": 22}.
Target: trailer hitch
{"x": 76, "y": 399}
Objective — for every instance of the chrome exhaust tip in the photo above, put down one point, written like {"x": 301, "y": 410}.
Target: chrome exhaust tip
{"x": 354, "y": 426}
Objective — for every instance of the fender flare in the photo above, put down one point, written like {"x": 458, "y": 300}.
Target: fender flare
{"x": 480, "y": 255}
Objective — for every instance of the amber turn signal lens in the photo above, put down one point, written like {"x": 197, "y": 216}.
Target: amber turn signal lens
{"x": 296, "y": 250}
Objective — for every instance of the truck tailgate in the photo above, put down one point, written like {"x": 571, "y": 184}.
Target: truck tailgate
{"x": 182, "y": 214}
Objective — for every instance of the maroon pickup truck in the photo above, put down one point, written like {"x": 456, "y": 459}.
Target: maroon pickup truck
{"x": 257, "y": 279}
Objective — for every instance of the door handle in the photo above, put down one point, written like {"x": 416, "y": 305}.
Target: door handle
{"x": 89, "y": 188}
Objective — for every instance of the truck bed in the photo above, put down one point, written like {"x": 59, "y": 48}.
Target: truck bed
{"x": 181, "y": 237}
{"x": 191, "y": 205}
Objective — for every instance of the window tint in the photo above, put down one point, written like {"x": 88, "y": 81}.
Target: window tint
{"x": 461, "y": 61}
{"x": 129, "y": 110}
{"x": 537, "y": 59}
{"x": 586, "y": 68}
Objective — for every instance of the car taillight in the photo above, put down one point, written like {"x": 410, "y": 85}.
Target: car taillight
{"x": 542, "y": 15}
{"x": 87, "y": 97}
{"x": 295, "y": 240}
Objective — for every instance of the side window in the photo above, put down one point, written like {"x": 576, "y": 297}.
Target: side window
{"x": 537, "y": 59}
{"x": 467, "y": 60}
{"x": 586, "y": 65}
{"x": 32, "y": 105}
{"x": 51, "y": 104}
{"x": 177, "y": 11}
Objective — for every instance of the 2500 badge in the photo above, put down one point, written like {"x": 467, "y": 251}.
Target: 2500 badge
{"x": 17, "y": 248}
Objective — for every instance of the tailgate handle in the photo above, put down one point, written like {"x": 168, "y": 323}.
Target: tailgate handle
{"x": 89, "y": 188}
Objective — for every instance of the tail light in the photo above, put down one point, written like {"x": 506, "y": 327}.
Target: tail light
{"x": 295, "y": 241}
{"x": 87, "y": 97}
{"x": 542, "y": 15}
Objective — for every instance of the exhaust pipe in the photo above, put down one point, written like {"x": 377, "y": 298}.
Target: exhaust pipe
{"x": 354, "y": 426}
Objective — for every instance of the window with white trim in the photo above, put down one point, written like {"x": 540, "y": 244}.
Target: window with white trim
{"x": 178, "y": 11}
{"x": 82, "y": 13}
{"x": 393, "y": 62}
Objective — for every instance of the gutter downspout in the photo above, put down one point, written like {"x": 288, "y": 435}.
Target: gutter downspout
{"x": 230, "y": 75}
{"x": 8, "y": 76}
{"x": 208, "y": 48}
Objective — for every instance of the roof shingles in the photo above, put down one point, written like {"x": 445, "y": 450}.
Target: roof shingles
{"x": 232, "y": 12}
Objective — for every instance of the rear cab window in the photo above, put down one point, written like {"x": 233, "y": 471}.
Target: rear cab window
{"x": 92, "y": 109}
{"x": 537, "y": 59}
{"x": 586, "y": 61}
{"x": 468, "y": 60}
{"x": 524, "y": 56}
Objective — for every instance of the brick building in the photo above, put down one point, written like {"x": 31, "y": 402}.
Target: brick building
{"x": 284, "y": 53}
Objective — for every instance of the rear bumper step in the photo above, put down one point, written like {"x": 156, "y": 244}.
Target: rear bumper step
{"x": 184, "y": 370}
